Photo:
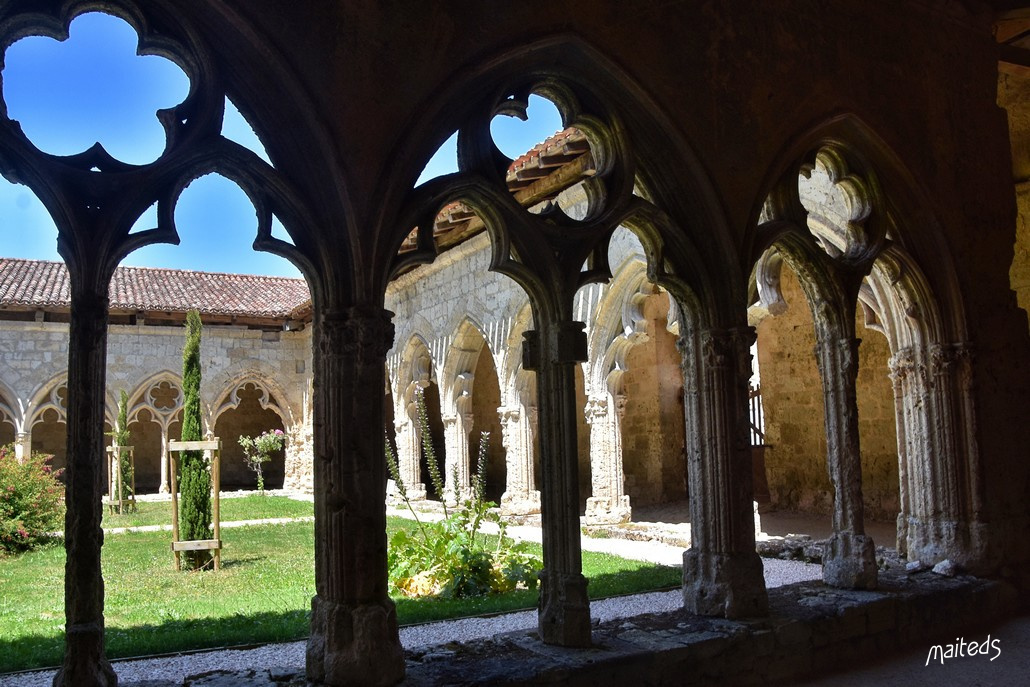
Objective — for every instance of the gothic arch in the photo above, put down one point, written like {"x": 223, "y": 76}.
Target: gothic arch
{"x": 262, "y": 375}
{"x": 676, "y": 249}
{"x": 467, "y": 343}
{"x": 903, "y": 209}
{"x": 889, "y": 233}
{"x": 270, "y": 397}
{"x": 247, "y": 407}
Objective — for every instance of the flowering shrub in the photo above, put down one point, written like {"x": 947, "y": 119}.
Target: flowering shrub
{"x": 31, "y": 501}
{"x": 258, "y": 451}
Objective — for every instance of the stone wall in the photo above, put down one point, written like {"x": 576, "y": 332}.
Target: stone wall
{"x": 877, "y": 426}
{"x": 795, "y": 459}
{"x": 33, "y": 358}
{"x": 652, "y": 427}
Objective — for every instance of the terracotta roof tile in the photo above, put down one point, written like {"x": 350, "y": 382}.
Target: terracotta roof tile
{"x": 41, "y": 284}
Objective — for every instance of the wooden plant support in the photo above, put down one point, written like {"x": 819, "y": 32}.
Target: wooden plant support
{"x": 114, "y": 501}
{"x": 213, "y": 450}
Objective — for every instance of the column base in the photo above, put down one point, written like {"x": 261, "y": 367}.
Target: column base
{"x": 84, "y": 662}
{"x": 520, "y": 503}
{"x": 849, "y": 561}
{"x": 728, "y": 585}
{"x": 354, "y": 644}
{"x": 604, "y": 510}
{"x": 931, "y": 541}
{"x": 564, "y": 609}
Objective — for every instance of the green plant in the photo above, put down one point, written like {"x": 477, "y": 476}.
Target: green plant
{"x": 451, "y": 558}
{"x": 31, "y": 501}
{"x": 258, "y": 450}
{"x": 194, "y": 478}
{"x": 428, "y": 451}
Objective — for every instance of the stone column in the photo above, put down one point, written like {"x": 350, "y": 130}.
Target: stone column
{"x": 849, "y": 558}
{"x": 163, "y": 489}
{"x": 553, "y": 351}
{"x": 722, "y": 573}
{"x": 519, "y": 498}
{"x": 409, "y": 452}
{"x": 84, "y": 662}
{"x": 456, "y": 463}
{"x": 22, "y": 446}
{"x": 941, "y": 493}
{"x": 354, "y": 638}
{"x": 899, "y": 370}
{"x": 609, "y": 503}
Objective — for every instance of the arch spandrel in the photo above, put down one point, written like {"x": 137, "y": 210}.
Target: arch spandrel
{"x": 45, "y": 396}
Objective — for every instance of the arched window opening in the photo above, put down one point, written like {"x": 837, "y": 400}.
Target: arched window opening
{"x": 251, "y": 414}
{"x": 486, "y": 399}
{"x": 92, "y": 88}
{"x": 795, "y": 431}
{"x": 49, "y": 436}
{"x": 145, "y": 436}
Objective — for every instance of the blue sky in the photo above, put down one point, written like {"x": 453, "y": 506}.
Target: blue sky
{"x": 93, "y": 87}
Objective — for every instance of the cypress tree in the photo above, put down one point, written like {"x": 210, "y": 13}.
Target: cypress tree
{"x": 194, "y": 478}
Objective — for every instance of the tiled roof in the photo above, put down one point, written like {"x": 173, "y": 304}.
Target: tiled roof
{"x": 42, "y": 284}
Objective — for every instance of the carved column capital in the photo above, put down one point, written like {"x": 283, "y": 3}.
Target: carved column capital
{"x": 357, "y": 331}
{"x": 902, "y": 364}
{"x": 728, "y": 349}
{"x": 596, "y": 409}
{"x": 509, "y": 414}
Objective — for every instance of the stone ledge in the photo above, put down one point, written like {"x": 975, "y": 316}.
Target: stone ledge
{"x": 812, "y": 629}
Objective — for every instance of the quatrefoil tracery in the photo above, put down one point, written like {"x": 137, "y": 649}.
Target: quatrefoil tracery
{"x": 92, "y": 193}
{"x": 551, "y": 211}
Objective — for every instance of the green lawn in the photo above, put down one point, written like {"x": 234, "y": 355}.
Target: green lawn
{"x": 251, "y": 507}
{"x": 262, "y": 594}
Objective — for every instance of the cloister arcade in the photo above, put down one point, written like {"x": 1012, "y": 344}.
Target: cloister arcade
{"x": 707, "y": 187}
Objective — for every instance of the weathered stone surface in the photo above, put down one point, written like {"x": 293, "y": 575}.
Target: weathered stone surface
{"x": 849, "y": 561}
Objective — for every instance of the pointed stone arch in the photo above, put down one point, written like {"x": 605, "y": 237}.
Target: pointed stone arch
{"x": 457, "y": 383}
{"x": 414, "y": 366}
{"x": 890, "y": 230}
{"x": 153, "y": 412}
{"x": 272, "y": 395}
{"x": 248, "y": 406}
{"x": 681, "y": 224}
